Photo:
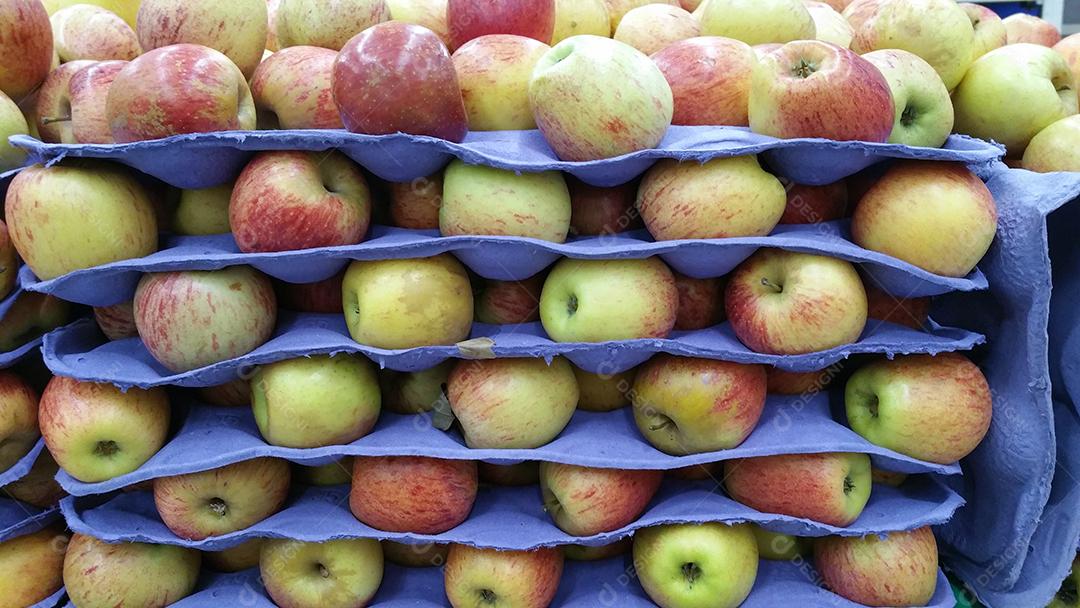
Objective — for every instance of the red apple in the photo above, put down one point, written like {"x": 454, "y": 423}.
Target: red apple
{"x": 710, "y": 79}
{"x": 26, "y": 45}
{"x": 396, "y": 77}
{"x": 1022, "y": 27}
{"x": 521, "y": 474}
{"x": 782, "y": 382}
{"x": 698, "y": 472}
{"x": 597, "y": 211}
{"x": 584, "y": 501}
{"x": 701, "y": 302}
{"x": 157, "y": 94}
{"x": 810, "y": 88}
{"x": 89, "y": 91}
{"x": 415, "y": 205}
{"x": 412, "y": 493}
{"x": 509, "y": 302}
{"x": 815, "y": 204}
{"x": 236, "y": 393}
{"x": 889, "y": 478}
{"x": 286, "y": 201}
{"x": 117, "y": 321}
{"x": 523, "y": 579}
{"x": 52, "y": 112}
{"x": 900, "y": 569}
{"x": 883, "y": 306}
{"x": 407, "y": 555}
{"x": 470, "y": 19}
{"x": 291, "y": 89}
{"x": 321, "y": 297}
{"x": 18, "y": 419}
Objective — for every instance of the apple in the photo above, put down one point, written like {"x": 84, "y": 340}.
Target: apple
{"x": 414, "y": 392}
{"x": 989, "y": 29}
{"x": 509, "y": 302}
{"x": 895, "y": 216}
{"x": 1025, "y": 28}
{"x": 1069, "y": 48}
{"x": 272, "y": 43}
{"x": 33, "y": 566}
{"x": 203, "y": 211}
{"x": 607, "y": 300}
{"x": 900, "y": 569}
{"x": 334, "y": 574}
{"x": 786, "y": 303}
{"x": 193, "y": 318}
{"x": 38, "y": 487}
{"x": 1054, "y": 148}
{"x": 127, "y": 9}
{"x": 489, "y": 577}
{"x": 596, "y": 98}
{"x": 903, "y": 405}
{"x": 415, "y": 205}
{"x": 493, "y": 72}
{"x": 291, "y": 89}
{"x": 85, "y": 31}
{"x": 721, "y": 198}
{"x": 701, "y": 302}
{"x": 1067, "y": 596}
{"x": 583, "y": 501}
{"x": 285, "y": 200}
{"x": 32, "y": 315}
{"x": 653, "y": 27}
{"x": 321, "y": 297}
{"x": 710, "y": 80}
{"x": 315, "y": 401}
{"x": 428, "y": 13}
{"x": 99, "y": 575}
{"x": 88, "y": 92}
{"x": 471, "y": 19}
{"x": 480, "y": 200}
{"x": 687, "y": 405}
{"x": 26, "y": 44}
{"x": 829, "y": 25}
{"x": 830, "y": 488}
{"x": 96, "y": 432}
{"x": 883, "y": 306}
{"x": 412, "y": 494}
{"x": 603, "y": 392}
{"x": 811, "y": 88}
{"x": 234, "y": 559}
{"x": 584, "y": 553}
{"x": 778, "y": 546}
{"x": 596, "y": 211}
{"x": 760, "y": 50}
{"x": 512, "y": 403}
{"x": 939, "y": 31}
{"x": 335, "y": 473}
{"x": 326, "y": 24}
{"x": 815, "y": 204}
{"x": 889, "y": 478}
{"x": 52, "y": 110}
{"x": 236, "y": 393}
{"x": 757, "y": 21}
{"x": 1012, "y": 93}
{"x": 9, "y": 258}
{"x": 617, "y": 9}
{"x": 415, "y": 556}
{"x": 712, "y": 564}
{"x": 395, "y": 304}
{"x": 12, "y": 122}
{"x": 18, "y": 419}
{"x": 526, "y": 473}
{"x": 197, "y": 506}
{"x": 924, "y": 112}
{"x": 783, "y": 382}
{"x": 236, "y": 28}
{"x": 577, "y": 17}
{"x": 396, "y": 77}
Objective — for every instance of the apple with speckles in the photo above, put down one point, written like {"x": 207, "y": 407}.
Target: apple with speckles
{"x": 815, "y": 204}
{"x": 574, "y": 17}
{"x": 710, "y": 80}
{"x": 493, "y": 72}
{"x": 989, "y": 29}
{"x": 18, "y": 419}
{"x": 86, "y": 31}
{"x": 89, "y": 93}
{"x": 415, "y": 205}
{"x": 757, "y": 21}
{"x": 341, "y": 573}
{"x": 596, "y": 211}
{"x": 898, "y": 569}
{"x": 883, "y": 306}
{"x": 509, "y": 302}
{"x": 471, "y": 19}
{"x": 326, "y": 24}
{"x": 583, "y": 501}
{"x": 653, "y": 27}
{"x": 523, "y": 579}
{"x": 480, "y": 200}
{"x": 99, "y": 575}
{"x": 52, "y": 110}
{"x": 236, "y": 28}
{"x": 291, "y": 89}
{"x": 33, "y": 565}
{"x": 428, "y": 13}
{"x": 412, "y": 494}
{"x": 1025, "y": 28}
{"x": 321, "y": 297}
{"x": 26, "y": 44}
{"x": 701, "y": 302}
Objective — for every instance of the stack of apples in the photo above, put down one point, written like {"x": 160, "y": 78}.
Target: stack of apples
{"x": 599, "y": 79}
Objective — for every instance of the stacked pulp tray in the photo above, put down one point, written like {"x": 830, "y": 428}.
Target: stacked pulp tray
{"x": 513, "y": 518}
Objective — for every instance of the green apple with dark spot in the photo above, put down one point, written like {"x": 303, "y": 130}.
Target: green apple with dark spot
{"x": 336, "y": 574}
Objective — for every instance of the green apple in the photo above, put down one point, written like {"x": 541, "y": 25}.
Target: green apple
{"x": 990, "y": 32}
{"x": 512, "y": 403}
{"x": 488, "y": 577}
{"x": 830, "y": 25}
{"x": 597, "y": 98}
{"x": 235, "y": 559}
{"x": 335, "y": 574}
{"x": 47, "y": 211}
{"x": 939, "y": 31}
{"x": 1067, "y": 595}
{"x": 414, "y": 392}
{"x": 38, "y": 487}
{"x": 889, "y": 478}
{"x": 711, "y": 565}
{"x": 100, "y": 575}
{"x": 315, "y": 401}
{"x": 32, "y": 315}
{"x": 1055, "y": 147}
{"x": 583, "y": 501}
{"x": 938, "y": 216}
{"x": 924, "y": 111}
{"x": 653, "y": 27}
{"x": 934, "y": 408}
{"x": 18, "y": 419}
{"x": 757, "y": 21}
{"x": 686, "y": 405}
{"x": 415, "y": 556}
{"x": 900, "y": 569}
{"x": 493, "y": 72}
{"x": 236, "y": 28}
{"x": 203, "y": 211}
{"x": 12, "y": 122}
{"x": 576, "y": 17}
{"x": 337, "y": 473}
{"x": 605, "y": 300}
{"x": 480, "y": 200}
{"x": 396, "y": 304}
{"x": 96, "y": 432}
{"x": 1012, "y": 93}
{"x": 33, "y": 566}
{"x": 779, "y": 546}
{"x": 602, "y": 392}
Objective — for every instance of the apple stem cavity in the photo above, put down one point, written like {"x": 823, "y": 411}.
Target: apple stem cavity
{"x": 323, "y": 571}
{"x": 106, "y": 448}
{"x": 804, "y": 69}
{"x": 772, "y": 286}
{"x": 218, "y": 507}
{"x": 488, "y": 596}
{"x": 849, "y": 485}
{"x": 907, "y": 117}
{"x": 691, "y": 572}
{"x": 571, "y": 305}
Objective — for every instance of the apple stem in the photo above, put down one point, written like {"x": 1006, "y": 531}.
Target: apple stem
{"x": 219, "y": 507}
{"x": 771, "y": 285}
{"x": 48, "y": 120}
{"x": 691, "y": 572}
